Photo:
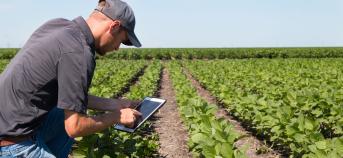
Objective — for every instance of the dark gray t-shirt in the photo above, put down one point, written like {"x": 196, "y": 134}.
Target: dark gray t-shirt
{"x": 54, "y": 68}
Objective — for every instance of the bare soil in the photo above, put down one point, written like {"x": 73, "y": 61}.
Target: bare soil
{"x": 168, "y": 125}
{"x": 254, "y": 145}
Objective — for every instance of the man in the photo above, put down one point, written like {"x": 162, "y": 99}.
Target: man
{"x": 44, "y": 90}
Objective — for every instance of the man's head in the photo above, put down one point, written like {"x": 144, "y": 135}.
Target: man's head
{"x": 112, "y": 23}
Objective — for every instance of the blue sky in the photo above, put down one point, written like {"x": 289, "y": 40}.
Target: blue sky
{"x": 195, "y": 23}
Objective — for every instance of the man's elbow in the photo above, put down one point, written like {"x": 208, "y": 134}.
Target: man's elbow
{"x": 72, "y": 131}
{"x": 71, "y": 124}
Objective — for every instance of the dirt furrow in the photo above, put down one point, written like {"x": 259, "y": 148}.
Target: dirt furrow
{"x": 172, "y": 133}
{"x": 255, "y": 147}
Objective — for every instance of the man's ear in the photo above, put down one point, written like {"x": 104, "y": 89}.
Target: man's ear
{"x": 115, "y": 25}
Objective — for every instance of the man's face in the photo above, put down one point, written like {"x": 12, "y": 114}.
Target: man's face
{"x": 112, "y": 39}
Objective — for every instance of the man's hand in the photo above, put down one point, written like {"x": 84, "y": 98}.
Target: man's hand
{"x": 128, "y": 117}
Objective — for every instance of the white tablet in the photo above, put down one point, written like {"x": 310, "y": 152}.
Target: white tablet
{"x": 147, "y": 107}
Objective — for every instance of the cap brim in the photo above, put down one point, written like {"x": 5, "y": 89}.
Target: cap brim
{"x": 133, "y": 40}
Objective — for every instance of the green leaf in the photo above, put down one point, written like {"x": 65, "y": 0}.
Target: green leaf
{"x": 290, "y": 130}
{"x": 218, "y": 148}
{"x": 209, "y": 151}
{"x": 219, "y": 136}
{"x": 299, "y": 137}
{"x": 301, "y": 121}
{"x": 312, "y": 148}
{"x": 317, "y": 112}
{"x": 199, "y": 138}
{"x": 308, "y": 125}
{"x": 78, "y": 139}
{"x": 226, "y": 150}
{"x": 321, "y": 145}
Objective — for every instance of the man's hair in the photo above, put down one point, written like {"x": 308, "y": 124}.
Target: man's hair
{"x": 101, "y": 3}
{"x": 95, "y": 13}
{"x": 100, "y": 16}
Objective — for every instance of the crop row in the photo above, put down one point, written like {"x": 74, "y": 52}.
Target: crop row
{"x": 296, "y": 103}
{"x": 8, "y": 53}
{"x": 113, "y": 143}
{"x": 105, "y": 69}
{"x": 209, "y": 136}
{"x": 113, "y": 85}
{"x": 147, "y": 84}
{"x": 225, "y": 53}
{"x": 210, "y": 53}
{"x": 3, "y": 64}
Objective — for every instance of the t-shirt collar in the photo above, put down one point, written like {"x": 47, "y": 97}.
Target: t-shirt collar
{"x": 86, "y": 31}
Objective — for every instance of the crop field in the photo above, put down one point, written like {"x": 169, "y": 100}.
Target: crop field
{"x": 295, "y": 103}
{"x": 3, "y": 64}
{"x": 225, "y": 103}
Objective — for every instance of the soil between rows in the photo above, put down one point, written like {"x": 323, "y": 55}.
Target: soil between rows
{"x": 168, "y": 125}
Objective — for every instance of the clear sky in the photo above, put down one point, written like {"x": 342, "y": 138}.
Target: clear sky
{"x": 195, "y": 23}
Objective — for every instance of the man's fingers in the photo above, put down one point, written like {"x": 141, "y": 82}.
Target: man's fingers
{"x": 136, "y": 113}
{"x": 131, "y": 125}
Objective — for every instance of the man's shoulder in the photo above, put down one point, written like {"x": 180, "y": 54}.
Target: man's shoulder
{"x": 61, "y": 27}
{"x": 54, "y": 25}
{"x": 58, "y": 34}
{"x": 58, "y": 20}
{"x": 65, "y": 32}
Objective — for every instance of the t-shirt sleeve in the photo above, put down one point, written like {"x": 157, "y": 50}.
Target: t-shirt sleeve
{"x": 72, "y": 83}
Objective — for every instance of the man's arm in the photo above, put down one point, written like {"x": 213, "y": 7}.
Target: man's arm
{"x": 105, "y": 104}
{"x": 77, "y": 125}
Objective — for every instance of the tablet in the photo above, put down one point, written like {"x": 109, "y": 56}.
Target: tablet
{"x": 147, "y": 107}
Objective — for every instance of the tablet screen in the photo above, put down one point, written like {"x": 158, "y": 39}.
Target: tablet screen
{"x": 147, "y": 107}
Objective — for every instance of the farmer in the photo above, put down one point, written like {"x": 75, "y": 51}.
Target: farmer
{"x": 44, "y": 90}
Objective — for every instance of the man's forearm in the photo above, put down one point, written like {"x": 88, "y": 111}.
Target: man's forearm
{"x": 103, "y": 104}
{"x": 106, "y": 104}
{"x": 78, "y": 125}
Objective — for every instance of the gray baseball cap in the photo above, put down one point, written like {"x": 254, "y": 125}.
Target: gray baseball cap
{"x": 119, "y": 10}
